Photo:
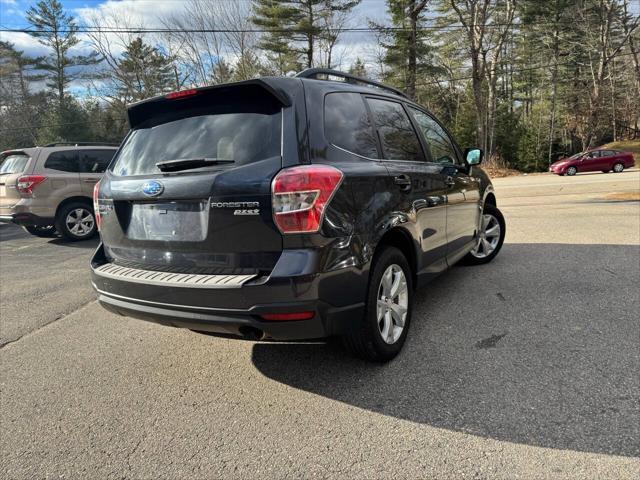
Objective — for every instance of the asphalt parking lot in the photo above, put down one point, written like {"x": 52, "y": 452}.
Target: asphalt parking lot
{"x": 523, "y": 368}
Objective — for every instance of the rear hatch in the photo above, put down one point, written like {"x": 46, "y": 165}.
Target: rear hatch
{"x": 13, "y": 164}
{"x": 190, "y": 188}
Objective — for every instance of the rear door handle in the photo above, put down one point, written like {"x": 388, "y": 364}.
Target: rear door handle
{"x": 92, "y": 180}
{"x": 403, "y": 181}
{"x": 449, "y": 181}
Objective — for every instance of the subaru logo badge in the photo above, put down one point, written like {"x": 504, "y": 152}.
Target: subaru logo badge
{"x": 152, "y": 188}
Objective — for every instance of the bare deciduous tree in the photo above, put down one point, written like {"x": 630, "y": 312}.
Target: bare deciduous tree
{"x": 214, "y": 40}
{"x": 486, "y": 24}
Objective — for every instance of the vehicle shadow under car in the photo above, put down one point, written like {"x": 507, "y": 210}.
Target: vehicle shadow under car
{"x": 90, "y": 244}
{"x": 539, "y": 347}
{"x": 14, "y": 232}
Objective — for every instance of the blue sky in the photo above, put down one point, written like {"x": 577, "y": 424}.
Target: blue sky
{"x": 12, "y": 14}
{"x": 12, "y": 11}
{"x": 146, "y": 13}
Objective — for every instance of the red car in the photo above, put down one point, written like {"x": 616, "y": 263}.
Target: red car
{"x": 592, "y": 161}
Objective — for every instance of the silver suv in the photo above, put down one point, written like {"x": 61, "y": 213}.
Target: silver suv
{"x": 48, "y": 189}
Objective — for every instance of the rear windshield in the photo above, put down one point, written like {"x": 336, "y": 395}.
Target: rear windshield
{"x": 244, "y": 137}
{"x": 13, "y": 164}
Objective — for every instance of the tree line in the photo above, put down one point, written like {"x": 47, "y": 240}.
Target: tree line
{"x": 528, "y": 81}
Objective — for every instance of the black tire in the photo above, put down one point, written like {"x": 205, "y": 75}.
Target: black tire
{"x": 618, "y": 168}
{"x": 65, "y": 230}
{"x": 571, "y": 171}
{"x": 473, "y": 259}
{"x": 365, "y": 339}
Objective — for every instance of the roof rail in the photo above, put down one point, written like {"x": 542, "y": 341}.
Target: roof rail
{"x": 82, "y": 144}
{"x": 317, "y": 73}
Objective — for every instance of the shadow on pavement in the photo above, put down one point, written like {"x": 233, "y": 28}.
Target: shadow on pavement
{"x": 84, "y": 244}
{"x": 14, "y": 232}
{"x": 540, "y": 347}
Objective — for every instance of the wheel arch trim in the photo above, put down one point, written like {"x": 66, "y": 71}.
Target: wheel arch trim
{"x": 401, "y": 239}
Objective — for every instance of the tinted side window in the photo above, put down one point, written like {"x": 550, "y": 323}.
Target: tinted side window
{"x": 62, "y": 161}
{"x": 607, "y": 153}
{"x": 95, "y": 161}
{"x": 398, "y": 138}
{"x": 438, "y": 142}
{"x": 347, "y": 124}
{"x": 594, "y": 154}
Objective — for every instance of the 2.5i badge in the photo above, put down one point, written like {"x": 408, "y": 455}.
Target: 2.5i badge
{"x": 247, "y": 211}
{"x": 240, "y": 208}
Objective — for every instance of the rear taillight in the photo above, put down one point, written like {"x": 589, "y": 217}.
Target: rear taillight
{"x": 300, "y": 195}
{"x": 27, "y": 183}
{"x": 96, "y": 204}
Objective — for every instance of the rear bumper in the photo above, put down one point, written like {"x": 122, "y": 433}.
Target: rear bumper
{"x": 335, "y": 298}
{"x": 327, "y": 320}
{"x": 26, "y": 219}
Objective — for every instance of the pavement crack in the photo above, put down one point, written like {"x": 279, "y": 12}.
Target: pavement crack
{"x": 45, "y": 325}
{"x": 134, "y": 450}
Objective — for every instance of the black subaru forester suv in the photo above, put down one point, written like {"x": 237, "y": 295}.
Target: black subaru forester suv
{"x": 288, "y": 208}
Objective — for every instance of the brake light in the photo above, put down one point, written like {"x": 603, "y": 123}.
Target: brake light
{"x": 299, "y": 196}
{"x": 96, "y": 204}
{"x": 27, "y": 183}
{"x": 288, "y": 316}
{"x": 181, "y": 94}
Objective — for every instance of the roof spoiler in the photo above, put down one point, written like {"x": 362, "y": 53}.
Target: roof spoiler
{"x": 81, "y": 144}
{"x": 18, "y": 151}
{"x": 140, "y": 113}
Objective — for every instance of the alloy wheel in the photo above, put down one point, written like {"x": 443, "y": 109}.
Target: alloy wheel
{"x": 618, "y": 167}
{"x": 393, "y": 303}
{"x": 488, "y": 237}
{"x": 80, "y": 222}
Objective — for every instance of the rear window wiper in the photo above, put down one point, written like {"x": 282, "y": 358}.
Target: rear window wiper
{"x": 189, "y": 163}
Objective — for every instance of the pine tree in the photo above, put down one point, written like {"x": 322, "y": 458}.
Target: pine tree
{"x": 358, "y": 68}
{"x": 294, "y": 29}
{"x": 144, "y": 71}
{"x": 57, "y": 31}
{"x": 17, "y": 71}
{"x": 20, "y": 106}
{"x": 407, "y": 52}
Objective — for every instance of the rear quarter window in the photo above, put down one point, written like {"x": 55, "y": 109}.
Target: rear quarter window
{"x": 66, "y": 161}
{"x": 13, "y": 164}
{"x": 347, "y": 124}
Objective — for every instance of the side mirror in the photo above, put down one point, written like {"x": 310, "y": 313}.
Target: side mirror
{"x": 473, "y": 156}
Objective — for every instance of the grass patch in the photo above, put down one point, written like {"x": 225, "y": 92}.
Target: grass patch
{"x": 624, "y": 196}
{"x": 632, "y": 146}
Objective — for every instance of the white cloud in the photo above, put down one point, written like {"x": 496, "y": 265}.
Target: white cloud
{"x": 140, "y": 13}
{"x": 24, "y": 42}
{"x": 148, "y": 13}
